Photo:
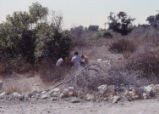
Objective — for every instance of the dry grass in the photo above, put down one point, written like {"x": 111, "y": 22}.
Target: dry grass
{"x": 148, "y": 63}
{"x": 16, "y": 86}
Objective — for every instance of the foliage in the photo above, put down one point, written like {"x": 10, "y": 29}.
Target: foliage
{"x": 120, "y": 23}
{"x": 93, "y": 28}
{"x": 153, "y": 20}
{"x": 104, "y": 34}
{"x": 30, "y": 36}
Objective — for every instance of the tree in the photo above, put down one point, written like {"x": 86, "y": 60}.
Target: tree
{"x": 25, "y": 35}
{"x": 77, "y": 32}
{"x": 93, "y": 28}
{"x": 153, "y": 20}
{"x": 120, "y": 23}
{"x": 37, "y": 12}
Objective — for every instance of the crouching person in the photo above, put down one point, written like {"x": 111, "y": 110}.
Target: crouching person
{"x": 60, "y": 62}
{"x": 76, "y": 60}
{"x": 84, "y": 60}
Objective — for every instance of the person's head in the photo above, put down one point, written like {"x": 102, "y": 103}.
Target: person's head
{"x": 76, "y": 53}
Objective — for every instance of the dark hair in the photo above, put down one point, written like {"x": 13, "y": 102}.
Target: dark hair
{"x": 76, "y": 53}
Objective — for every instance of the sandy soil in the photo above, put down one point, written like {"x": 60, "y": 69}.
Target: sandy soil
{"x": 62, "y": 107}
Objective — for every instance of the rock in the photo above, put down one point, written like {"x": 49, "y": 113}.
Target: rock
{"x": 43, "y": 92}
{"x": 99, "y": 60}
{"x": 45, "y": 96}
{"x": 116, "y": 99}
{"x": 54, "y": 98}
{"x": 75, "y": 100}
{"x": 102, "y": 89}
{"x": 89, "y": 97}
{"x": 18, "y": 96}
{"x": 157, "y": 89}
{"x": 127, "y": 96}
{"x": 62, "y": 95}
{"x": 2, "y": 95}
{"x": 55, "y": 94}
{"x": 150, "y": 90}
{"x": 34, "y": 94}
{"x": 145, "y": 96}
{"x": 71, "y": 88}
{"x": 65, "y": 92}
{"x": 55, "y": 90}
{"x": 71, "y": 93}
{"x": 1, "y": 84}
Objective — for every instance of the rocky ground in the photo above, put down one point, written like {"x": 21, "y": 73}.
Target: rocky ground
{"x": 62, "y": 107}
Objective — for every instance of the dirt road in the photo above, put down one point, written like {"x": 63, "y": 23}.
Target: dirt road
{"x": 137, "y": 107}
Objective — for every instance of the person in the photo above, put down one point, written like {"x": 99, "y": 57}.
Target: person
{"x": 84, "y": 60}
{"x": 76, "y": 60}
{"x": 59, "y": 62}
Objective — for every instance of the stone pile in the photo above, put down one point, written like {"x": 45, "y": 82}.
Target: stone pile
{"x": 104, "y": 93}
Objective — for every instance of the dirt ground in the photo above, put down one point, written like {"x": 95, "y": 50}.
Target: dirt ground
{"x": 62, "y": 107}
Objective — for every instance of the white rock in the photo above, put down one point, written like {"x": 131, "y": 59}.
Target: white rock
{"x": 145, "y": 96}
{"x": 116, "y": 99}
{"x": 15, "y": 94}
{"x": 89, "y": 97}
{"x": 62, "y": 95}
{"x": 102, "y": 89}
{"x": 2, "y": 95}
{"x": 55, "y": 90}
{"x": 44, "y": 96}
{"x": 150, "y": 88}
{"x": 75, "y": 100}
{"x": 55, "y": 94}
{"x": 65, "y": 91}
{"x": 70, "y": 93}
{"x": 99, "y": 60}
{"x": 71, "y": 88}
{"x": 43, "y": 92}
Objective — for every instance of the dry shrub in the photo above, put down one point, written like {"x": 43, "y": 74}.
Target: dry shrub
{"x": 148, "y": 63}
{"x": 96, "y": 75}
{"x": 18, "y": 65}
{"x": 50, "y": 73}
{"x": 122, "y": 46}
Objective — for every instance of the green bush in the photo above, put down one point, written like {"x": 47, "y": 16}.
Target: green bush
{"x": 103, "y": 34}
{"x": 28, "y": 35}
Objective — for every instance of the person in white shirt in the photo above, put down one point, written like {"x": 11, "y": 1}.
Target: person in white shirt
{"x": 76, "y": 60}
{"x": 59, "y": 62}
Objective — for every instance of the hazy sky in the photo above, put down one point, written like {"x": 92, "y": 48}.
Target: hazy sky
{"x": 85, "y": 12}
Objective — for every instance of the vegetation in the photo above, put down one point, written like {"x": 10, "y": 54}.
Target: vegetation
{"x": 153, "y": 20}
{"x": 28, "y": 39}
{"x": 93, "y": 28}
{"x": 148, "y": 63}
{"x": 30, "y": 36}
{"x": 120, "y": 23}
{"x": 122, "y": 46}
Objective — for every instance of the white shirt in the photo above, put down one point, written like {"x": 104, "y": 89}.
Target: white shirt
{"x": 59, "y": 62}
{"x": 76, "y": 60}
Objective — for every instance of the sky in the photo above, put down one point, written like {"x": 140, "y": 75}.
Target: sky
{"x": 85, "y": 12}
